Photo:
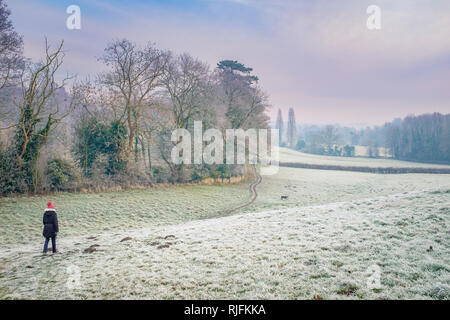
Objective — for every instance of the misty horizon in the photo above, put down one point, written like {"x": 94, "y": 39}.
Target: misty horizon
{"x": 319, "y": 59}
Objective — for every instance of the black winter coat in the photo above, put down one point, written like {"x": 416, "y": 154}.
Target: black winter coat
{"x": 50, "y": 221}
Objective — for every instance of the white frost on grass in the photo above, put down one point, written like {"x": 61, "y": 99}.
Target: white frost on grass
{"x": 306, "y": 187}
{"x": 319, "y": 251}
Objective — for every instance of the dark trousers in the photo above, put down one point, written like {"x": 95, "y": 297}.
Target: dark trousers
{"x": 53, "y": 244}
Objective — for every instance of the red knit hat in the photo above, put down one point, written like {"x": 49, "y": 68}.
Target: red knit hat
{"x": 50, "y": 205}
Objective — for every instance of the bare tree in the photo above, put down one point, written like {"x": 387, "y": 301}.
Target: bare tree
{"x": 132, "y": 79}
{"x": 372, "y": 150}
{"x": 251, "y": 112}
{"x": 329, "y": 137}
{"x": 38, "y": 86}
{"x": 186, "y": 83}
{"x": 245, "y": 102}
{"x": 154, "y": 120}
{"x": 39, "y": 110}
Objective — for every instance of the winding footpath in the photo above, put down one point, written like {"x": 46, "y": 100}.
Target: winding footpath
{"x": 253, "y": 191}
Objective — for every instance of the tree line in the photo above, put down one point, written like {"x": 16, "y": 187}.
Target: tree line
{"x": 420, "y": 138}
{"x": 423, "y": 138}
{"x": 115, "y": 130}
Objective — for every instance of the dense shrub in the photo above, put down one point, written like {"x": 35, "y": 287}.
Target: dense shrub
{"x": 94, "y": 139}
{"x": 196, "y": 176}
{"x": 224, "y": 171}
{"x": 12, "y": 179}
{"x": 61, "y": 174}
{"x": 161, "y": 174}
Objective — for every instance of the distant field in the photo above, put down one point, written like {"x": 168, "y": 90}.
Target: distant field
{"x": 319, "y": 243}
{"x": 306, "y": 187}
{"x": 289, "y": 155}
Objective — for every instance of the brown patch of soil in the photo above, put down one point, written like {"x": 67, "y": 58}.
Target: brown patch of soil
{"x": 163, "y": 246}
{"x": 91, "y": 249}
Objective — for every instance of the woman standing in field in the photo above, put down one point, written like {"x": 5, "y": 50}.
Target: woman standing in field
{"x": 50, "y": 221}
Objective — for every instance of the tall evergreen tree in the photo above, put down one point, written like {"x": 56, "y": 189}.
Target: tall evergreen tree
{"x": 291, "y": 129}
{"x": 279, "y": 125}
{"x": 246, "y": 103}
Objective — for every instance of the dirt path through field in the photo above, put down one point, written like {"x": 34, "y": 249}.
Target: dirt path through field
{"x": 252, "y": 188}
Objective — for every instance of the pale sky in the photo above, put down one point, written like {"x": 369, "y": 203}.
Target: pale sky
{"x": 315, "y": 56}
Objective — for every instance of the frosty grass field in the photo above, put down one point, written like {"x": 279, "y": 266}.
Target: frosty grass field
{"x": 173, "y": 243}
{"x": 288, "y": 155}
